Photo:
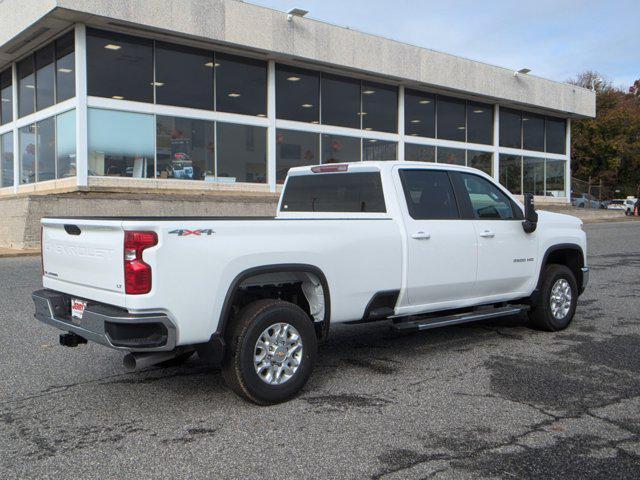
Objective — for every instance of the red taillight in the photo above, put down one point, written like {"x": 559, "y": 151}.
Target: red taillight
{"x": 137, "y": 274}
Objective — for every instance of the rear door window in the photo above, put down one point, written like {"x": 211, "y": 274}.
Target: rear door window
{"x": 334, "y": 192}
{"x": 429, "y": 195}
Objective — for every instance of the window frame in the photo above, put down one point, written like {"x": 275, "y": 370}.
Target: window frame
{"x": 401, "y": 171}
{"x": 467, "y": 210}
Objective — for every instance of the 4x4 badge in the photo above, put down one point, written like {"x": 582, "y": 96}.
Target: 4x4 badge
{"x": 185, "y": 232}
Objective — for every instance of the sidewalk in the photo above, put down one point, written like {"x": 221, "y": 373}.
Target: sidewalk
{"x": 590, "y": 215}
{"x": 12, "y": 252}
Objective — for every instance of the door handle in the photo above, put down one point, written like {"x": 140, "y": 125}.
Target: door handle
{"x": 421, "y": 236}
{"x": 487, "y": 234}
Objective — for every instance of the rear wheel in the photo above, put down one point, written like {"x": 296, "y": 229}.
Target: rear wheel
{"x": 555, "y": 305}
{"x": 271, "y": 352}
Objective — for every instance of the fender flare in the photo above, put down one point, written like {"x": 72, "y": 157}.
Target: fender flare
{"x": 280, "y": 267}
{"x": 549, "y": 251}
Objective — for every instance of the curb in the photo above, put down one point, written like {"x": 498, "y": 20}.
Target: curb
{"x": 9, "y": 253}
{"x": 610, "y": 220}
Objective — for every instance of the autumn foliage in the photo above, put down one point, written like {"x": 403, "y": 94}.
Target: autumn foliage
{"x": 607, "y": 147}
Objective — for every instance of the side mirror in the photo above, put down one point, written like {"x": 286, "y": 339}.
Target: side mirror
{"x": 530, "y": 216}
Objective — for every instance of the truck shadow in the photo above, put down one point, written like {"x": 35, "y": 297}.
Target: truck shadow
{"x": 372, "y": 347}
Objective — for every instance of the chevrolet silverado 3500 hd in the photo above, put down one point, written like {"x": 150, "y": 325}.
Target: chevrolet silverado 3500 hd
{"x": 424, "y": 245}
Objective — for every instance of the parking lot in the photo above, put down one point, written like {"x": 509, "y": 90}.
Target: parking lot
{"x": 490, "y": 400}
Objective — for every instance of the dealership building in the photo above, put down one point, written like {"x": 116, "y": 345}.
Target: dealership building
{"x": 222, "y": 97}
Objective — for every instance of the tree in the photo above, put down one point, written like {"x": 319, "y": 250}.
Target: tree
{"x": 593, "y": 81}
{"x": 608, "y": 147}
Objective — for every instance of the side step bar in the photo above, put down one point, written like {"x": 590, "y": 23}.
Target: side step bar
{"x": 426, "y": 323}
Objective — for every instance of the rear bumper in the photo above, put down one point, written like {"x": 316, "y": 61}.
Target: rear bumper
{"x": 106, "y": 325}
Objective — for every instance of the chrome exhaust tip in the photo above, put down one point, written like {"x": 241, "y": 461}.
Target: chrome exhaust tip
{"x": 140, "y": 360}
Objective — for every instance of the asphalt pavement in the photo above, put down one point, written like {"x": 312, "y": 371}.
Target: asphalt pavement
{"x": 490, "y": 400}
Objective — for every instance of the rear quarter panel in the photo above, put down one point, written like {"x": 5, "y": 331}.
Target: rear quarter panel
{"x": 192, "y": 273}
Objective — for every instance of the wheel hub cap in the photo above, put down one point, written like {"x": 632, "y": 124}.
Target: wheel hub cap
{"x": 278, "y": 353}
{"x": 561, "y": 296}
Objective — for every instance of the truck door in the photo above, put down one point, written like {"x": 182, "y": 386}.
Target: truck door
{"x": 441, "y": 246}
{"x": 507, "y": 256}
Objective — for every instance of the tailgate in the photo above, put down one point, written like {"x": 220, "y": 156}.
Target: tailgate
{"x": 85, "y": 253}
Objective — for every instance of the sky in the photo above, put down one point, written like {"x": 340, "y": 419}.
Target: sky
{"x": 556, "y": 39}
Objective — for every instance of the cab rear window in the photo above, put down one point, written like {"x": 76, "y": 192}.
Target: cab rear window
{"x": 334, "y": 192}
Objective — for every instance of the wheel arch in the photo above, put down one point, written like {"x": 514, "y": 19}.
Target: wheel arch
{"x": 568, "y": 254}
{"x": 322, "y": 327}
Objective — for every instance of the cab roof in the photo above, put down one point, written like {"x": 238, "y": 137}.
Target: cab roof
{"x": 380, "y": 166}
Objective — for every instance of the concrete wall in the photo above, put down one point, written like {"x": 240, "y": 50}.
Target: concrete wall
{"x": 250, "y": 27}
{"x": 20, "y": 225}
{"x": 17, "y": 19}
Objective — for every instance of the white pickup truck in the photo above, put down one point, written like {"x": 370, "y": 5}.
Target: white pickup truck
{"x": 424, "y": 245}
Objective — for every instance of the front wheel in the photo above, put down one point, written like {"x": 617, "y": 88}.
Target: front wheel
{"x": 271, "y": 352}
{"x": 555, "y": 305}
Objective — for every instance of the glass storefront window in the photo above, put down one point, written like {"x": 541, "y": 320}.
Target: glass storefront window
{"x": 26, "y": 87}
{"x": 340, "y": 101}
{"x": 556, "y": 131}
{"x": 455, "y": 156}
{"x": 6, "y": 160}
{"x": 241, "y": 85}
{"x": 480, "y": 160}
{"x": 510, "y": 128}
{"x": 185, "y": 149}
{"x": 451, "y": 118}
{"x": 379, "y": 107}
{"x": 121, "y": 144}
{"x": 46, "y": 150}
{"x": 295, "y": 149}
{"x": 66, "y": 144}
{"x": 241, "y": 153}
{"x": 511, "y": 173}
{"x": 479, "y": 123}
{"x": 297, "y": 94}
{"x": 340, "y": 149}
{"x": 533, "y": 175}
{"x": 555, "y": 176}
{"x": 373, "y": 149}
{"x": 27, "y": 140}
{"x": 184, "y": 76}
{"x": 419, "y": 114}
{"x": 6, "y": 97}
{"x": 45, "y": 73}
{"x": 119, "y": 66}
{"x": 532, "y": 131}
{"x": 65, "y": 68}
{"x": 419, "y": 153}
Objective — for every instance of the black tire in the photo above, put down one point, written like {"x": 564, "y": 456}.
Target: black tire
{"x": 628, "y": 212}
{"x": 541, "y": 315}
{"x": 238, "y": 365}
